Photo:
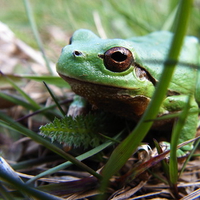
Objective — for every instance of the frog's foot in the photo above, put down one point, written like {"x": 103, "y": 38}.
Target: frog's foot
{"x": 183, "y": 152}
{"x": 77, "y": 107}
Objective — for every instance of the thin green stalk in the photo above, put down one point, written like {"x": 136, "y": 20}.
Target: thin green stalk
{"x": 81, "y": 157}
{"x": 55, "y": 100}
{"x": 27, "y": 97}
{"x": 184, "y": 14}
{"x": 11, "y": 124}
{"x": 36, "y": 34}
{"x": 173, "y": 163}
{"x": 127, "y": 147}
{"x": 197, "y": 142}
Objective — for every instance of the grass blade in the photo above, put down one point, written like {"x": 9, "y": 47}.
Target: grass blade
{"x": 36, "y": 34}
{"x": 127, "y": 147}
{"x": 80, "y": 157}
{"x": 11, "y": 124}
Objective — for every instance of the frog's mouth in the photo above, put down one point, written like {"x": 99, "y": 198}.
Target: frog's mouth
{"x": 79, "y": 85}
{"x": 113, "y": 99}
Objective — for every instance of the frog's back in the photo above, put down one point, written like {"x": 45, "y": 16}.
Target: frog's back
{"x": 191, "y": 50}
{"x": 153, "y": 51}
{"x": 197, "y": 94}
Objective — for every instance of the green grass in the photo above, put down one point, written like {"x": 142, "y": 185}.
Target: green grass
{"x": 120, "y": 19}
{"x": 139, "y": 17}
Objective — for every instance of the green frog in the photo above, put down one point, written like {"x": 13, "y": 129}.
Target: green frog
{"x": 120, "y": 75}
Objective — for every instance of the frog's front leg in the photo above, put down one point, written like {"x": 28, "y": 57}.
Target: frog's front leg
{"x": 177, "y": 103}
{"x": 77, "y": 107}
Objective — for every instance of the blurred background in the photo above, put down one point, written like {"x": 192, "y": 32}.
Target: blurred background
{"x": 57, "y": 20}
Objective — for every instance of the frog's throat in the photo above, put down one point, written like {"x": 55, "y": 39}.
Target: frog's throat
{"x": 115, "y": 100}
{"x": 112, "y": 99}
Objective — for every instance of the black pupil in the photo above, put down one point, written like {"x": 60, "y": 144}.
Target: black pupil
{"x": 118, "y": 56}
{"x": 77, "y": 53}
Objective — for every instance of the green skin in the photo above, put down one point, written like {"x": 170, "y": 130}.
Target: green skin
{"x": 128, "y": 92}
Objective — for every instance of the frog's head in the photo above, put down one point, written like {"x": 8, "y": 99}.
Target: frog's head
{"x": 96, "y": 67}
{"x": 108, "y": 62}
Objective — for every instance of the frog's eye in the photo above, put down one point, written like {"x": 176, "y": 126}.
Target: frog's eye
{"x": 118, "y": 59}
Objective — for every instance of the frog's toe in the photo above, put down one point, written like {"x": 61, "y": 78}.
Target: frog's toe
{"x": 180, "y": 153}
{"x": 183, "y": 152}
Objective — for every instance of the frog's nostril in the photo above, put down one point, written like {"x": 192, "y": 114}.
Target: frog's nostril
{"x": 77, "y": 53}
